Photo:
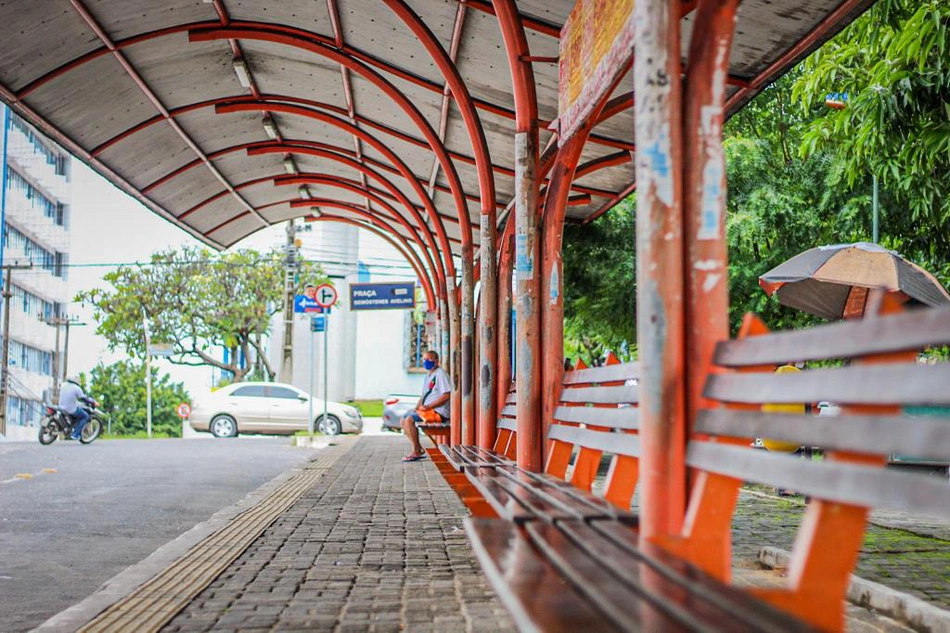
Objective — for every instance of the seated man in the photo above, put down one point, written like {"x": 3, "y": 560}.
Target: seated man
{"x": 70, "y": 395}
{"x": 436, "y": 391}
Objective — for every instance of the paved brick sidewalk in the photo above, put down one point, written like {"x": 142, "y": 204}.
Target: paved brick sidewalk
{"x": 907, "y": 554}
{"x": 376, "y": 545}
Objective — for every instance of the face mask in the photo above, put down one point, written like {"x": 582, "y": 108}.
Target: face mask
{"x": 428, "y": 364}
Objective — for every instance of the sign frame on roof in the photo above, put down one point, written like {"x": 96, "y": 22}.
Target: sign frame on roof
{"x": 596, "y": 46}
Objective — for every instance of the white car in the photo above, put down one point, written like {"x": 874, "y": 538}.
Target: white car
{"x": 269, "y": 407}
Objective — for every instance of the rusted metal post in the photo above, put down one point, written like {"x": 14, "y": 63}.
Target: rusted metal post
{"x": 445, "y": 328}
{"x": 503, "y": 377}
{"x": 467, "y": 355}
{"x": 527, "y": 261}
{"x": 528, "y": 290}
{"x": 488, "y": 323}
{"x": 455, "y": 346}
{"x": 704, "y": 191}
{"x": 552, "y": 274}
{"x": 660, "y": 265}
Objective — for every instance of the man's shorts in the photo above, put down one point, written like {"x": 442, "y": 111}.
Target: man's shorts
{"x": 417, "y": 419}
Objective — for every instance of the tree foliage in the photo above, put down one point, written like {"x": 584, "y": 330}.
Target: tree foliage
{"x": 799, "y": 174}
{"x": 894, "y": 65}
{"x": 600, "y": 284}
{"x": 196, "y": 301}
{"x": 120, "y": 390}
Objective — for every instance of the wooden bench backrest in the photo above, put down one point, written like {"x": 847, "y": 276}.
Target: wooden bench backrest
{"x": 597, "y": 414}
{"x": 880, "y": 377}
{"x": 506, "y": 439}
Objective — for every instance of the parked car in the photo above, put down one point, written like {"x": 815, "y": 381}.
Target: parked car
{"x": 395, "y": 407}
{"x": 269, "y": 407}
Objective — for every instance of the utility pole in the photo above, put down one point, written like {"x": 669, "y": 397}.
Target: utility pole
{"x": 290, "y": 252}
{"x": 5, "y": 359}
{"x": 60, "y": 370}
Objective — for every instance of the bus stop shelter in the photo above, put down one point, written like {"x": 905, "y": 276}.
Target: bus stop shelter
{"x": 468, "y": 132}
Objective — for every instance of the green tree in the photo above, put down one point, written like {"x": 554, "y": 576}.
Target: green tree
{"x": 195, "y": 301}
{"x": 894, "y": 65}
{"x": 120, "y": 390}
{"x": 600, "y": 284}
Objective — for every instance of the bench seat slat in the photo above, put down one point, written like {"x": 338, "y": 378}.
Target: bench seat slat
{"x": 514, "y": 501}
{"x": 508, "y": 424}
{"x": 911, "y": 330}
{"x": 897, "y": 383}
{"x": 482, "y": 456}
{"x": 835, "y": 481}
{"x": 601, "y": 395}
{"x": 614, "y": 443}
{"x": 923, "y": 437}
{"x": 693, "y": 580}
{"x": 622, "y": 418}
{"x": 590, "y": 506}
{"x": 531, "y": 589}
{"x": 509, "y": 410}
{"x": 607, "y": 373}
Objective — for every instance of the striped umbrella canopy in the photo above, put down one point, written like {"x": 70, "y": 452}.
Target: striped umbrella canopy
{"x": 833, "y": 281}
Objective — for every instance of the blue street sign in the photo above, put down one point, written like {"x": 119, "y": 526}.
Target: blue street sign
{"x": 318, "y": 323}
{"x": 390, "y": 296}
{"x": 304, "y": 304}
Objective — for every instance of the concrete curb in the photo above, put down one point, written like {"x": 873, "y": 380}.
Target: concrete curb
{"x": 906, "y": 608}
{"x": 128, "y": 580}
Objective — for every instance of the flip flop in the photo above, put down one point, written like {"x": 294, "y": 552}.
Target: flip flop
{"x": 413, "y": 458}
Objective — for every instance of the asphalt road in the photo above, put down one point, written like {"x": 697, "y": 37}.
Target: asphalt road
{"x": 109, "y": 505}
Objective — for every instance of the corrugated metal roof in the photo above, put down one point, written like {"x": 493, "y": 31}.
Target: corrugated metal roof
{"x": 192, "y": 167}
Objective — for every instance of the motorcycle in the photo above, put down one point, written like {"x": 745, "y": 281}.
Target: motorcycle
{"x": 59, "y": 424}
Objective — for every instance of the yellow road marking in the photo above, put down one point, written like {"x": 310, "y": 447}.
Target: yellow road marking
{"x": 23, "y": 476}
{"x": 155, "y": 603}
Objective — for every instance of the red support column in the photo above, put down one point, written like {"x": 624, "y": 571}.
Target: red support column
{"x": 704, "y": 189}
{"x": 455, "y": 347}
{"x": 527, "y": 261}
{"x": 552, "y": 274}
{"x": 660, "y": 265}
{"x": 503, "y": 374}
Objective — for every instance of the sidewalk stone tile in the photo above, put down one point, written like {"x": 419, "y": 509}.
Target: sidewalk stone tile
{"x": 376, "y": 545}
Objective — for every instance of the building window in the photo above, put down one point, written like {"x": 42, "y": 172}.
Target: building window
{"x": 21, "y": 193}
{"x": 47, "y": 260}
{"x": 55, "y": 158}
{"x": 417, "y": 340}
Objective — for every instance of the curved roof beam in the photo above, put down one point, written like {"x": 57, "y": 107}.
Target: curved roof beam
{"x": 361, "y": 168}
{"x": 383, "y": 229}
{"x": 375, "y": 144}
{"x": 304, "y": 40}
{"x": 430, "y": 297}
{"x": 463, "y": 158}
{"x": 373, "y": 217}
{"x": 463, "y": 100}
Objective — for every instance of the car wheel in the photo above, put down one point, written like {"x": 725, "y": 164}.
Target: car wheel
{"x": 224, "y": 426}
{"x": 330, "y": 426}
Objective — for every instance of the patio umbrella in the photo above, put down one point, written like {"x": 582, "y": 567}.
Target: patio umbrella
{"x": 833, "y": 281}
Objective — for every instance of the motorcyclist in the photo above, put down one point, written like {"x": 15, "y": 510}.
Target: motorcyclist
{"x": 70, "y": 395}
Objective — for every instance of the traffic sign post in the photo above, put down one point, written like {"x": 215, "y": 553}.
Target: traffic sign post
{"x": 326, "y": 296}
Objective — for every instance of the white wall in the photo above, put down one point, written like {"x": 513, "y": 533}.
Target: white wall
{"x": 379, "y": 351}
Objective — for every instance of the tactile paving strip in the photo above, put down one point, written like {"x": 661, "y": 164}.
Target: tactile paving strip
{"x": 153, "y": 604}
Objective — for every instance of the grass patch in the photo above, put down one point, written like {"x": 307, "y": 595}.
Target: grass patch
{"x": 369, "y": 408}
{"x": 315, "y": 433}
{"x": 138, "y": 435}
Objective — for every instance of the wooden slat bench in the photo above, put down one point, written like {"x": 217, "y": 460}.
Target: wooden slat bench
{"x": 505, "y": 446}
{"x": 560, "y": 563}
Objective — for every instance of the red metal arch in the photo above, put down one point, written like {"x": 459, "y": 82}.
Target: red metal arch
{"x": 360, "y": 167}
{"x": 323, "y": 203}
{"x": 373, "y": 142}
{"x": 430, "y": 298}
{"x": 304, "y": 40}
{"x": 382, "y": 228}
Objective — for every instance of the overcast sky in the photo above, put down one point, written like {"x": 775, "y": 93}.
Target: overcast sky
{"x": 109, "y": 227}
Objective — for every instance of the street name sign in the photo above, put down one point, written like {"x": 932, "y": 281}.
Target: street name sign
{"x": 385, "y": 296}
